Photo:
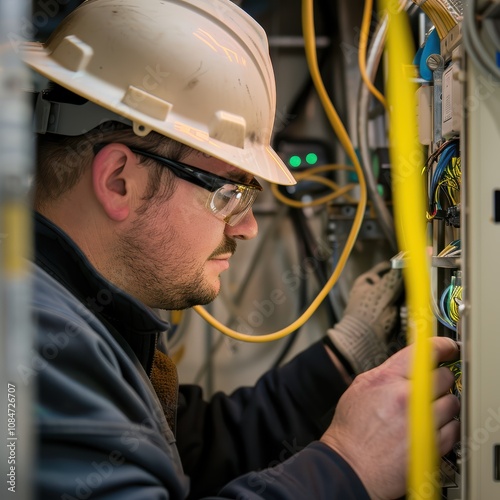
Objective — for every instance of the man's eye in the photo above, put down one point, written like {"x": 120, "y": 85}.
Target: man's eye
{"x": 222, "y": 198}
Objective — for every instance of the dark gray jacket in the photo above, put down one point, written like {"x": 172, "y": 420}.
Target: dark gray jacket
{"x": 102, "y": 433}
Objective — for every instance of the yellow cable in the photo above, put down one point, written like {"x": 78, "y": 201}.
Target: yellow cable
{"x": 440, "y": 13}
{"x": 177, "y": 355}
{"x": 406, "y": 161}
{"x": 300, "y": 176}
{"x": 453, "y": 307}
{"x": 322, "y": 168}
{"x": 337, "y": 193}
{"x": 176, "y": 316}
{"x": 451, "y": 247}
{"x": 16, "y": 223}
{"x": 363, "y": 43}
{"x": 309, "y": 38}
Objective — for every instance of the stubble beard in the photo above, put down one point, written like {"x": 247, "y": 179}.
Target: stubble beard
{"x": 158, "y": 283}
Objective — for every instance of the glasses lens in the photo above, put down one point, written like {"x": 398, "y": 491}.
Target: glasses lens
{"x": 231, "y": 203}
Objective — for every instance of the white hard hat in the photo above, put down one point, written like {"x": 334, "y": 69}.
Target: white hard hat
{"x": 197, "y": 71}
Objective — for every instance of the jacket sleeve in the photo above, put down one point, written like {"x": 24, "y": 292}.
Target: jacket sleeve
{"x": 315, "y": 472}
{"x": 259, "y": 427}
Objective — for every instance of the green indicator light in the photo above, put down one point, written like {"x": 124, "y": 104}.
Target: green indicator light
{"x": 295, "y": 161}
{"x": 312, "y": 158}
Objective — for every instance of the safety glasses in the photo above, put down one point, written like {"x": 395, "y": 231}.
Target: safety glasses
{"x": 228, "y": 200}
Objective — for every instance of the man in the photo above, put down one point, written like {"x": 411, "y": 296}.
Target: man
{"x": 151, "y": 135}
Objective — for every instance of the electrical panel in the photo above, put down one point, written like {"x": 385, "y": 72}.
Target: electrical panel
{"x": 440, "y": 118}
{"x": 481, "y": 235}
{"x": 459, "y": 127}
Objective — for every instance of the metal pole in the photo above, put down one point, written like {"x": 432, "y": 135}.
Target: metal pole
{"x": 16, "y": 338}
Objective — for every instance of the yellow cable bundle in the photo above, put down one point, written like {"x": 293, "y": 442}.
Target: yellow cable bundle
{"x": 343, "y": 136}
{"x": 444, "y": 14}
{"x": 409, "y": 210}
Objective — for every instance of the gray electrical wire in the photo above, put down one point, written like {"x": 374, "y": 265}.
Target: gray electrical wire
{"x": 473, "y": 44}
{"x": 374, "y": 54}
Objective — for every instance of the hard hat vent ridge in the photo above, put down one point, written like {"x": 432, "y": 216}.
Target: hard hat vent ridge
{"x": 197, "y": 71}
{"x": 73, "y": 54}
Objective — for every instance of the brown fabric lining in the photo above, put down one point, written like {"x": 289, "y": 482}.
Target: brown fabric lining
{"x": 165, "y": 382}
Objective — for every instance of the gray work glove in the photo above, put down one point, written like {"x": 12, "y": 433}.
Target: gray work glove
{"x": 370, "y": 316}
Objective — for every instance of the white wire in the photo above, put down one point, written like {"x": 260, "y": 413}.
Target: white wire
{"x": 473, "y": 44}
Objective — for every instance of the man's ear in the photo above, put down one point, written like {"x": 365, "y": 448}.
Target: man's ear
{"x": 115, "y": 178}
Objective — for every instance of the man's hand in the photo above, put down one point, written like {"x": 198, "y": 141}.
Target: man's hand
{"x": 370, "y": 426}
{"x": 369, "y": 318}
